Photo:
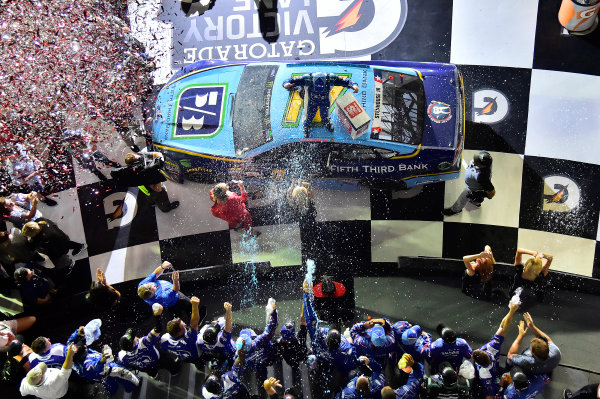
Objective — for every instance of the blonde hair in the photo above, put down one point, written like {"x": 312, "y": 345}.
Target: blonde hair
{"x": 533, "y": 266}
{"x": 144, "y": 292}
{"x": 220, "y": 192}
{"x": 300, "y": 199}
{"x": 130, "y": 158}
{"x": 31, "y": 229}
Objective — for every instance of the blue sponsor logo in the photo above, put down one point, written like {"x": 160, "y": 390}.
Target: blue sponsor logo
{"x": 200, "y": 111}
{"x": 439, "y": 112}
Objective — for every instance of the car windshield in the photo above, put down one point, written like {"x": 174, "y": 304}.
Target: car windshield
{"x": 252, "y": 106}
{"x": 402, "y": 107}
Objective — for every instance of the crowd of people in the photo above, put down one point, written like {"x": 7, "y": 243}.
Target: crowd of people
{"x": 376, "y": 358}
{"x": 373, "y": 359}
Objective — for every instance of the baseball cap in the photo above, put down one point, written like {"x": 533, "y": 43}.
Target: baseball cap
{"x": 287, "y": 331}
{"x": 410, "y": 336}
{"x": 483, "y": 158}
{"x": 34, "y": 377}
{"x": 448, "y": 335}
{"x": 378, "y": 336}
{"x": 519, "y": 378}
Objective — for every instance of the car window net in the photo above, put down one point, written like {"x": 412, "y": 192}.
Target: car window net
{"x": 251, "y": 114}
{"x": 402, "y": 107}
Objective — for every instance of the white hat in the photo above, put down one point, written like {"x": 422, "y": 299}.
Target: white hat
{"x": 34, "y": 377}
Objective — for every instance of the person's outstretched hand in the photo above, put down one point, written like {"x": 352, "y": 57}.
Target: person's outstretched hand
{"x": 522, "y": 328}
{"x": 528, "y": 319}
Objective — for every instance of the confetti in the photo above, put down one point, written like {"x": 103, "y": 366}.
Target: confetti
{"x": 66, "y": 67}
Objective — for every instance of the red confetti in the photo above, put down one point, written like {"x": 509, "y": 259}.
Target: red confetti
{"x": 66, "y": 65}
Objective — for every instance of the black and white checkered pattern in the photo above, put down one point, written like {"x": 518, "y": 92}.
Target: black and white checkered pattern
{"x": 550, "y": 82}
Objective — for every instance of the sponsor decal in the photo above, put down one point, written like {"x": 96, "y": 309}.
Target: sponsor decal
{"x": 439, "y": 112}
{"x": 119, "y": 208}
{"x": 444, "y": 166}
{"x": 353, "y": 109}
{"x": 199, "y": 112}
{"x": 489, "y": 106}
{"x": 238, "y": 30}
{"x": 379, "y": 169}
{"x": 561, "y": 194}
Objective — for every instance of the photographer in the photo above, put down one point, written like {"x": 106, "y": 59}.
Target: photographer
{"x": 231, "y": 207}
{"x": 144, "y": 171}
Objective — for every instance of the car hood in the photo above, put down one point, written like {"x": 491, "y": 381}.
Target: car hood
{"x": 193, "y": 110}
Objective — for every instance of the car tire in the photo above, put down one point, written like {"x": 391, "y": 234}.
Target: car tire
{"x": 172, "y": 170}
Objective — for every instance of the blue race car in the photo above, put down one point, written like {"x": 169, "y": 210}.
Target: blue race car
{"x": 396, "y": 124}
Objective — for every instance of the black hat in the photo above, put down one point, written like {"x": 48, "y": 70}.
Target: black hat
{"x": 448, "y": 335}
{"x": 519, "y": 378}
{"x": 483, "y": 158}
{"x": 449, "y": 376}
{"x": 211, "y": 334}
{"x": 333, "y": 339}
{"x": 212, "y": 385}
{"x": 126, "y": 341}
{"x": 15, "y": 347}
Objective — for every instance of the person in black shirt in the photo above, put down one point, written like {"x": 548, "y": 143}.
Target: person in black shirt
{"x": 291, "y": 347}
{"x": 478, "y": 180}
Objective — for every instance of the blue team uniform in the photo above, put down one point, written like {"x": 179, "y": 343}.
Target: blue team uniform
{"x": 54, "y": 357}
{"x": 416, "y": 350}
{"x": 224, "y": 344}
{"x": 377, "y": 382}
{"x": 318, "y": 85}
{"x": 490, "y": 380}
{"x": 184, "y": 348}
{"x": 93, "y": 370}
{"x": 144, "y": 356}
{"x": 361, "y": 340}
{"x": 536, "y": 384}
{"x": 410, "y": 390}
{"x": 164, "y": 294}
{"x": 452, "y": 353}
{"x": 231, "y": 384}
{"x": 261, "y": 351}
{"x": 344, "y": 358}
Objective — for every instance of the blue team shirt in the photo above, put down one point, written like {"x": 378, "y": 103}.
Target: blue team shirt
{"x": 452, "y": 353}
{"x": 344, "y": 358}
{"x": 231, "y": 385}
{"x": 262, "y": 347}
{"x": 410, "y": 390}
{"x": 184, "y": 348}
{"x": 144, "y": 356}
{"x": 54, "y": 357}
{"x": 418, "y": 349}
{"x": 164, "y": 294}
{"x": 91, "y": 368}
{"x": 377, "y": 383}
{"x": 361, "y": 340}
{"x": 224, "y": 344}
{"x": 536, "y": 384}
{"x": 490, "y": 380}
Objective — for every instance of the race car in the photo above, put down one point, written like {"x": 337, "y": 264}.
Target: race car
{"x": 403, "y": 127}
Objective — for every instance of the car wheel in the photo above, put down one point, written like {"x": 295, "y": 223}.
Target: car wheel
{"x": 172, "y": 170}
